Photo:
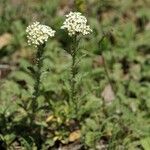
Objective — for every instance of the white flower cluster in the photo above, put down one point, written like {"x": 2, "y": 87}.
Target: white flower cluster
{"x": 76, "y": 23}
{"x": 37, "y": 33}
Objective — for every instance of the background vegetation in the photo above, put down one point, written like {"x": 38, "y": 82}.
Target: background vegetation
{"x": 114, "y": 78}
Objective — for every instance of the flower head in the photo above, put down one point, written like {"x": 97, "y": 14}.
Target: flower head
{"x": 37, "y": 33}
{"x": 76, "y": 23}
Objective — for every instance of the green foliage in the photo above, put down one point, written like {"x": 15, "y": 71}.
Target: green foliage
{"x": 146, "y": 143}
{"x": 120, "y": 59}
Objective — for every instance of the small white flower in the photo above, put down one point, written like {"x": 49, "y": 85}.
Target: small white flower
{"x": 76, "y": 23}
{"x": 37, "y": 33}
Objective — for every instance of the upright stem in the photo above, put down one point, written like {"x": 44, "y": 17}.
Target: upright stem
{"x": 107, "y": 74}
{"x": 73, "y": 75}
{"x": 105, "y": 64}
{"x": 38, "y": 72}
{"x": 73, "y": 72}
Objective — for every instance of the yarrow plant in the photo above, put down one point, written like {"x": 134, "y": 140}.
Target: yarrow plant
{"x": 37, "y": 35}
{"x": 76, "y": 23}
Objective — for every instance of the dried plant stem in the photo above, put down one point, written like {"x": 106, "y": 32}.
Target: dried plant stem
{"x": 108, "y": 74}
{"x": 106, "y": 69}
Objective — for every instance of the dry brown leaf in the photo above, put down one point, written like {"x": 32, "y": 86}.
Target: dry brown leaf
{"x": 22, "y": 53}
{"x": 75, "y": 135}
{"x": 98, "y": 62}
{"x": 147, "y": 26}
{"x": 108, "y": 94}
{"x": 73, "y": 146}
{"x": 5, "y": 39}
{"x": 50, "y": 118}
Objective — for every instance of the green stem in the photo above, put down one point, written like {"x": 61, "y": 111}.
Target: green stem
{"x": 38, "y": 72}
{"x": 73, "y": 73}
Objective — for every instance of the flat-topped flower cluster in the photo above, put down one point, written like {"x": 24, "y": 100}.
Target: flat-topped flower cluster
{"x": 76, "y": 23}
{"x": 37, "y": 33}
